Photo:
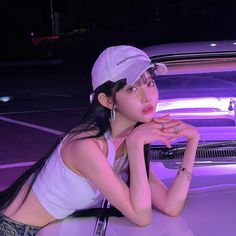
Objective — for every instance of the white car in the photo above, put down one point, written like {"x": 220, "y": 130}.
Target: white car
{"x": 199, "y": 88}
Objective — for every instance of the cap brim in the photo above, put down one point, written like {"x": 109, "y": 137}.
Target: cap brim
{"x": 134, "y": 72}
{"x": 160, "y": 69}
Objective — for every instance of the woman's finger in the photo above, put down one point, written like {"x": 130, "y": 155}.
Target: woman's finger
{"x": 173, "y": 138}
{"x": 172, "y": 123}
{"x": 163, "y": 133}
{"x": 165, "y": 141}
{"x": 161, "y": 118}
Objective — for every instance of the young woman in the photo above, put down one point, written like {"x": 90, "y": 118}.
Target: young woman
{"x": 86, "y": 165}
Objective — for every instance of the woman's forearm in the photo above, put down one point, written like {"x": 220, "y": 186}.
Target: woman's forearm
{"x": 177, "y": 193}
{"x": 140, "y": 194}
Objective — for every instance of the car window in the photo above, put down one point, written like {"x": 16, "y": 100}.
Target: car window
{"x": 219, "y": 84}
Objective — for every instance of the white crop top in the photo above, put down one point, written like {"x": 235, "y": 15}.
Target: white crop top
{"x": 63, "y": 191}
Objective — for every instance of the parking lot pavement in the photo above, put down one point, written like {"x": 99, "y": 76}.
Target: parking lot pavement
{"x": 46, "y": 103}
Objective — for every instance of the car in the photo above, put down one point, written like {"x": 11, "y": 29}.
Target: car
{"x": 200, "y": 89}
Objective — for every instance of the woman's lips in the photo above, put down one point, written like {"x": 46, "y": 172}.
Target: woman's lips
{"x": 148, "y": 109}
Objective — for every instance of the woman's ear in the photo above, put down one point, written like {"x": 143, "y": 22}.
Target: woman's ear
{"x": 105, "y": 100}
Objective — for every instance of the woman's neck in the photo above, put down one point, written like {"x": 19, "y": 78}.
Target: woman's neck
{"x": 121, "y": 130}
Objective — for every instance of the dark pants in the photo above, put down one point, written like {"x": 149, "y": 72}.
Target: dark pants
{"x": 9, "y": 227}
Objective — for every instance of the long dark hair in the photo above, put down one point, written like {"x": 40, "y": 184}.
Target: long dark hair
{"x": 96, "y": 118}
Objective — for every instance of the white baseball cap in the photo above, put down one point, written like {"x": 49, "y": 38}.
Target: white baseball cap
{"x": 122, "y": 62}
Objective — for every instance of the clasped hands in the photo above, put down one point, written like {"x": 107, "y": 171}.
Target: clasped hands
{"x": 171, "y": 129}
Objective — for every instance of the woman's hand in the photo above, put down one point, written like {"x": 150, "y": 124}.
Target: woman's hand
{"x": 182, "y": 129}
{"x": 188, "y": 131}
{"x": 160, "y": 129}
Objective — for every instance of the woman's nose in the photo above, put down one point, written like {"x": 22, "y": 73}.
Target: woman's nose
{"x": 145, "y": 95}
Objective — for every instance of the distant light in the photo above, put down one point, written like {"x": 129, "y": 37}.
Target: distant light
{"x": 213, "y": 44}
{"x": 234, "y": 43}
{"x": 32, "y": 34}
{"x": 6, "y": 98}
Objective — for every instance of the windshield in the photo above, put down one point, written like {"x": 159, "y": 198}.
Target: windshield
{"x": 212, "y": 84}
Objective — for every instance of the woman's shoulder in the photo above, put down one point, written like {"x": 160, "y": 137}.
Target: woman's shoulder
{"x": 84, "y": 142}
{"x": 83, "y": 151}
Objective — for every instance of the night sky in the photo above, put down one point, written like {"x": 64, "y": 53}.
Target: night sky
{"x": 86, "y": 27}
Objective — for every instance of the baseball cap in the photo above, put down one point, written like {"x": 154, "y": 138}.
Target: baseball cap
{"x": 122, "y": 62}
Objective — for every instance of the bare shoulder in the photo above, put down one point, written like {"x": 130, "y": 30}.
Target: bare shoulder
{"x": 83, "y": 149}
{"x": 87, "y": 146}
{"x": 77, "y": 140}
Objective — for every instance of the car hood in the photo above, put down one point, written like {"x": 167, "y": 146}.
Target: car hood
{"x": 209, "y": 210}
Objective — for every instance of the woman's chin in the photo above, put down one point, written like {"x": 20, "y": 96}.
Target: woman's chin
{"x": 147, "y": 119}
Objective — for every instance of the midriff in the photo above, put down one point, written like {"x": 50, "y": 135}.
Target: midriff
{"x": 31, "y": 212}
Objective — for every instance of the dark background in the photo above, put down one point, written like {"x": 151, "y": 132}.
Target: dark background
{"x": 46, "y": 74}
{"x": 86, "y": 27}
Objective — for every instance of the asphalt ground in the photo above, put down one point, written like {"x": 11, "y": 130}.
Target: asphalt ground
{"x": 49, "y": 98}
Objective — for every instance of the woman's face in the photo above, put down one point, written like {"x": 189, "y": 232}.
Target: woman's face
{"x": 137, "y": 102}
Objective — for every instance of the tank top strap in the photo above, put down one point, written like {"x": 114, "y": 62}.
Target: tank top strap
{"x": 111, "y": 148}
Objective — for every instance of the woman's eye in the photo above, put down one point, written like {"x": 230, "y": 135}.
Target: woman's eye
{"x": 151, "y": 83}
{"x": 132, "y": 89}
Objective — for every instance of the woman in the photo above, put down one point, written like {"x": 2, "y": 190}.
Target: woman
{"x": 87, "y": 164}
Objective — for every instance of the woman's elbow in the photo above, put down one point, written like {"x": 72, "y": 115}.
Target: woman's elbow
{"x": 144, "y": 222}
{"x": 144, "y": 219}
{"x": 174, "y": 212}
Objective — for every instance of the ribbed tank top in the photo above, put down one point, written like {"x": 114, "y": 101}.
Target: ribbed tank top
{"x": 61, "y": 191}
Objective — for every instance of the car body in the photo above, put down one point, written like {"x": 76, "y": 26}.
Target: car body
{"x": 199, "y": 88}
